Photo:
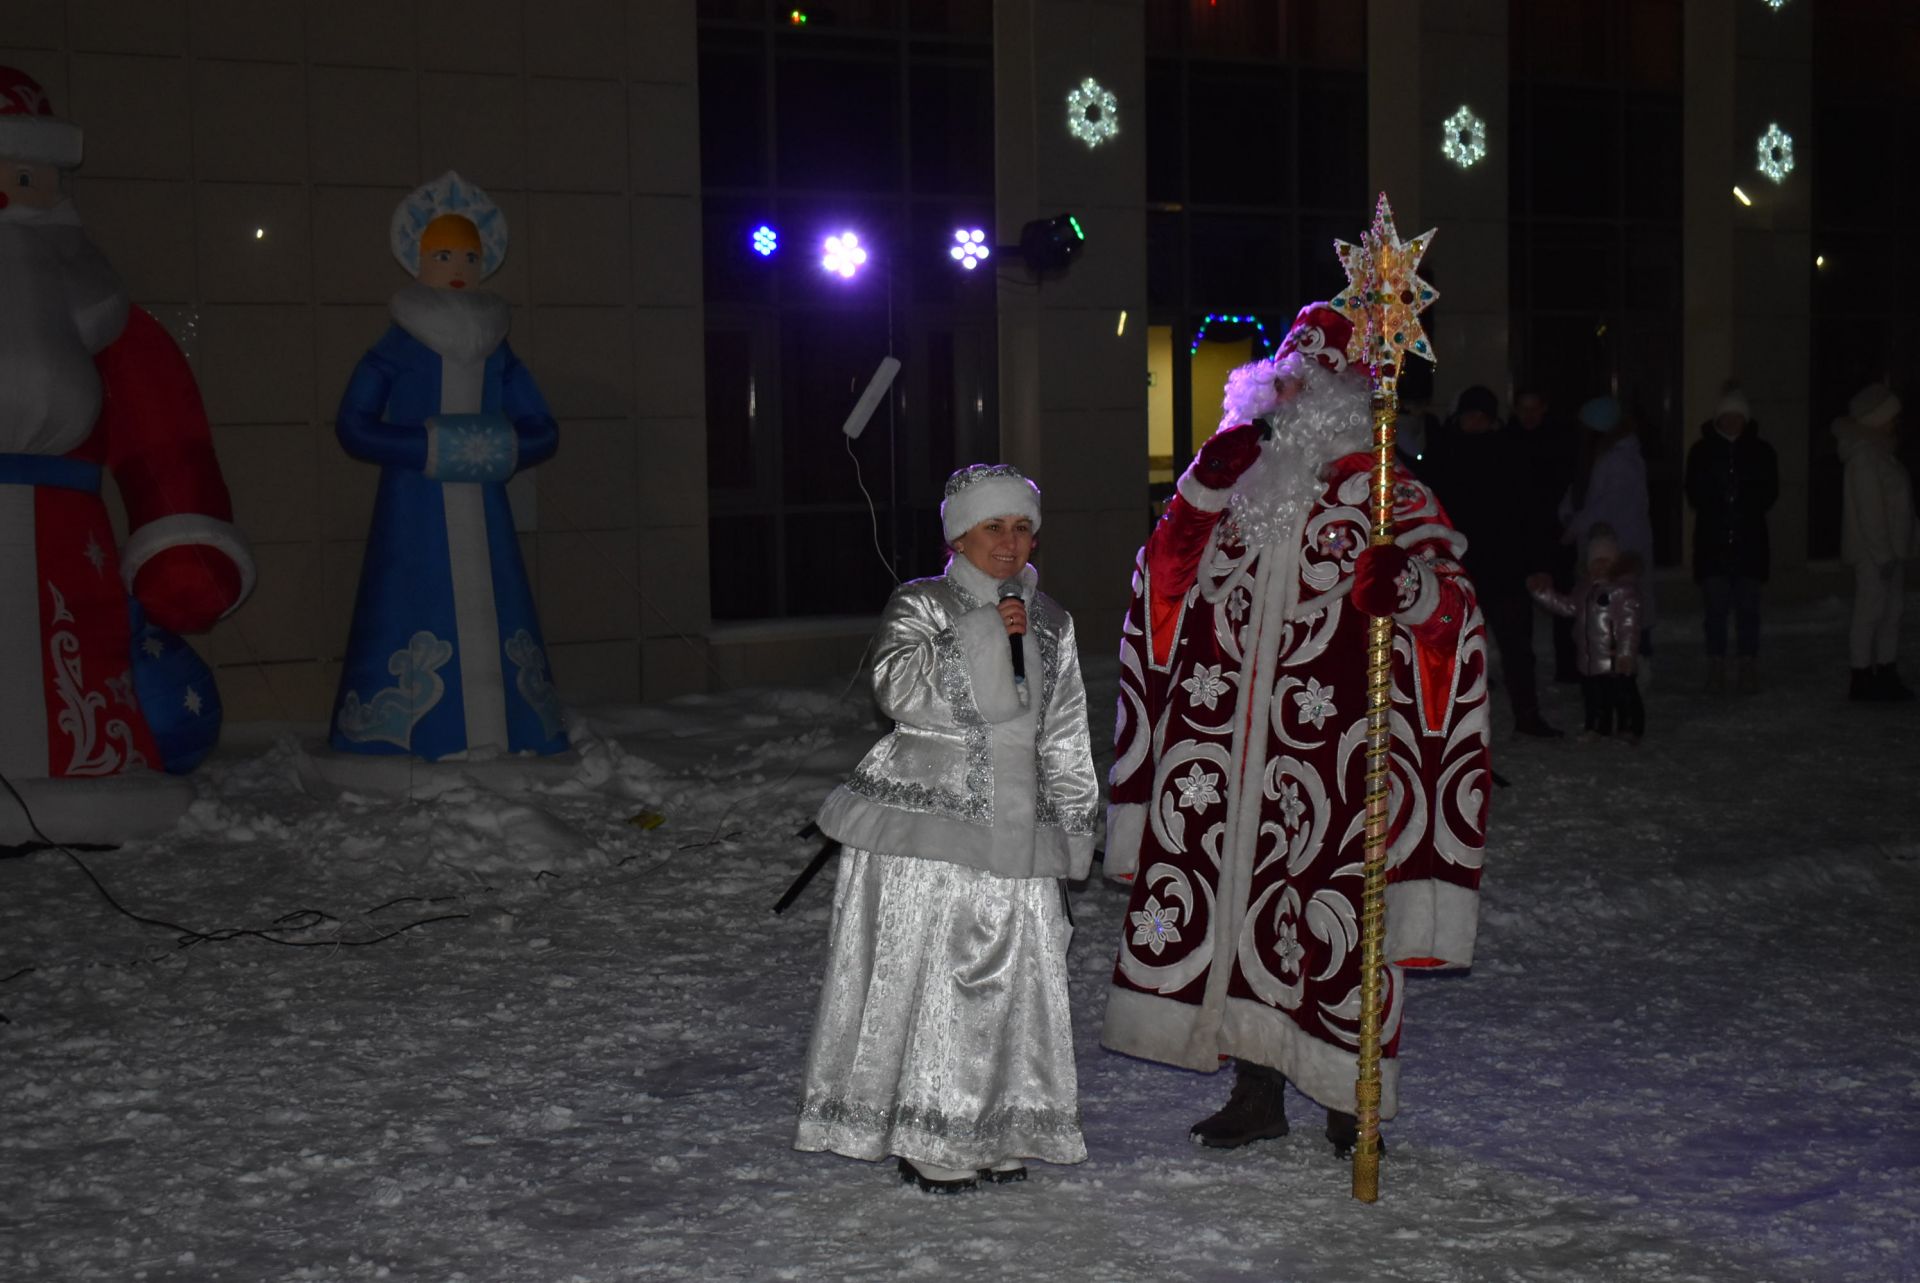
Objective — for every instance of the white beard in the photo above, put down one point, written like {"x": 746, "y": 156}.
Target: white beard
{"x": 1327, "y": 420}
{"x": 63, "y": 304}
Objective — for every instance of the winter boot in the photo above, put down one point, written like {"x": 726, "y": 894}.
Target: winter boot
{"x": 1862, "y": 686}
{"x": 1888, "y": 686}
{"x": 1344, "y": 1131}
{"x": 1748, "y": 681}
{"x": 1007, "y": 1173}
{"x": 937, "y": 1180}
{"x": 1256, "y": 1110}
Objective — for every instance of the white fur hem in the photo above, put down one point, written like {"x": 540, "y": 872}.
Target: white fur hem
{"x": 41, "y": 138}
{"x": 1203, "y": 497}
{"x": 1126, "y": 827}
{"x": 1430, "y": 919}
{"x": 180, "y": 530}
{"x": 1155, "y": 1028}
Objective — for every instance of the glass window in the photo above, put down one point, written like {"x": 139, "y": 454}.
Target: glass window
{"x": 732, "y": 403}
{"x": 836, "y": 127}
{"x": 1239, "y": 144}
{"x": 950, "y": 132}
{"x": 733, "y": 113}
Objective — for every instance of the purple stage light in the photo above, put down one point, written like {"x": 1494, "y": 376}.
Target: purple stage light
{"x": 765, "y": 241}
{"x": 843, "y": 254}
{"x": 970, "y": 247}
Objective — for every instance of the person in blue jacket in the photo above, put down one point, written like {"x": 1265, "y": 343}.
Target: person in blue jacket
{"x": 445, "y": 658}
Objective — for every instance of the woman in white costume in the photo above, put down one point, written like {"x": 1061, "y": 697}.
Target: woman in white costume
{"x": 943, "y": 1036}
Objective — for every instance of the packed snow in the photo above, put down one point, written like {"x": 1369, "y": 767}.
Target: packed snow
{"x": 1682, "y": 1055}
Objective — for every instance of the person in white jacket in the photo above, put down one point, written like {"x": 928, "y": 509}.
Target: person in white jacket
{"x": 1614, "y": 494}
{"x": 1877, "y": 536}
{"x": 943, "y": 1036}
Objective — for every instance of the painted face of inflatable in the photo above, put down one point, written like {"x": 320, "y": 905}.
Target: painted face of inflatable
{"x": 450, "y": 253}
{"x": 29, "y": 183}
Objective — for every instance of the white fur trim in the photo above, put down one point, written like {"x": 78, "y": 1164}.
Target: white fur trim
{"x": 992, "y": 497}
{"x": 983, "y": 646}
{"x": 46, "y": 140}
{"x": 1126, "y": 829}
{"x": 180, "y": 530}
{"x": 1203, "y": 497}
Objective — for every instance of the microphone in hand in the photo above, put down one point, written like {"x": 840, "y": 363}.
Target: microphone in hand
{"x": 1010, "y": 591}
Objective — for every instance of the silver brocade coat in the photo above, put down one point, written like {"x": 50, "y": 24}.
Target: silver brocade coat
{"x": 967, "y": 775}
{"x": 1607, "y": 619}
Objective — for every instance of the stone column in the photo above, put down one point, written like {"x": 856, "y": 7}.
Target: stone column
{"x": 1073, "y": 381}
{"x": 1425, "y": 60}
{"x": 1749, "y": 269}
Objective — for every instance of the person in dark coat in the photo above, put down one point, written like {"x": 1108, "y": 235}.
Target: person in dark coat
{"x": 1482, "y": 476}
{"x": 1732, "y": 481}
{"x": 1552, "y": 452}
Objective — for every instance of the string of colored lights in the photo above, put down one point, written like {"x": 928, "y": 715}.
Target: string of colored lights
{"x": 1259, "y": 329}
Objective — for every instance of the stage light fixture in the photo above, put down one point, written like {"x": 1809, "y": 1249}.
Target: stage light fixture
{"x": 843, "y": 254}
{"x": 970, "y": 248}
{"x": 765, "y": 241}
{"x": 1049, "y": 245}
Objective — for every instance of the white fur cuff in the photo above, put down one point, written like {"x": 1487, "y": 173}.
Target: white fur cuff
{"x": 179, "y": 530}
{"x": 1126, "y": 829}
{"x": 45, "y": 139}
{"x": 1200, "y": 496}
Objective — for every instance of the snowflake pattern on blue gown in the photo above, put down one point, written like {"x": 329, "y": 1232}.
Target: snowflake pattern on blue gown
{"x": 472, "y": 448}
{"x": 392, "y": 713}
{"x": 531, "y": 679}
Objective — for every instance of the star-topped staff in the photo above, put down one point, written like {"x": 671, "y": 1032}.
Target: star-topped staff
{"x": 1384, "y": 298}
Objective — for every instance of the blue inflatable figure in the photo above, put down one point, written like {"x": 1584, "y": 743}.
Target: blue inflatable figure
{"x": 445, "y": 658}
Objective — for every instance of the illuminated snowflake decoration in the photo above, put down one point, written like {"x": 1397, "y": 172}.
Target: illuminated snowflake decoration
{"x": 970, "y": 248}
{"x": 844, "y": 254}
{"x": 1093, "y": 113}
{"x": 1775, "y": 5}
{"x": 1776, "y": 153}
{"x": 1463, "y": 138}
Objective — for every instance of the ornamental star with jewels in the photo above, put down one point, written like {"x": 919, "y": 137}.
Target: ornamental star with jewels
{"x": 1384, "y": 295}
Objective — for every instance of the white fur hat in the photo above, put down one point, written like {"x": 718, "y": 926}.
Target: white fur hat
{"x": 982, "y": 490}
{"x": 1873, "y": 405}
{"x": 1733, "y": 401}
{"x": 29, "y": 130}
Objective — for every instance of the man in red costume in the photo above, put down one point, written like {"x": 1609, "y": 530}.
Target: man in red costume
{"x": 1237, "y": 790}
{"x": 89, "y": 383}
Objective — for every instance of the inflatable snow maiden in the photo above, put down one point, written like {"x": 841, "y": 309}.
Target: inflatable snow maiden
{"x": 445, "y": 658}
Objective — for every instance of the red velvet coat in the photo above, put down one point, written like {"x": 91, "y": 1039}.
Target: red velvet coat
{"x": 65, "y": 634}
{"x": 1238, "y": 784}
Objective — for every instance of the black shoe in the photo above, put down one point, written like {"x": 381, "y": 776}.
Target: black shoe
{"x": 1888, "y": 686}
{"x": 911, "y": 1175}
{"x": 1007, "y": 1176}
{"x": 1344, "y": 1131}
{"x": 1533, "y": 724}
{"x": 1256, "y": 1110}
{"x": 1861, "y": 686}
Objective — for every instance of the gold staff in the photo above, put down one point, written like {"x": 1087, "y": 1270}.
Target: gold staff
{"x": 1384, "y": 299}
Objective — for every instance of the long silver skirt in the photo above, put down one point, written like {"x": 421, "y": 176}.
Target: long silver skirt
{"x": 943, "y": 1034}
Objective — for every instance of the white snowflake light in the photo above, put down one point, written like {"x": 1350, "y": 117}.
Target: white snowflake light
{"x": 1093, "y": 113}
{"x": 843, "y": 254}
{"x": 1463, "y": 138}
{"x": 970, "y": 248}
{"x": 1776, "y": 153}
{"x": 1775, "y": 5}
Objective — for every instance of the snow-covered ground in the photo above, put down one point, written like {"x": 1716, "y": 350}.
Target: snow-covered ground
{"x": 1684, "y": 1053}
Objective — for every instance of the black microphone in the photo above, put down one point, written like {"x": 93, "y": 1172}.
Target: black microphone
{"x": 1010, "y": 588}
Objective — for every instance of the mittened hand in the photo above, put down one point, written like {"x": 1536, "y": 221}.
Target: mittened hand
{"x": 186, "y": 588}
{"x": 1226, "y": 456}
{"x": 1376, "y": 580}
